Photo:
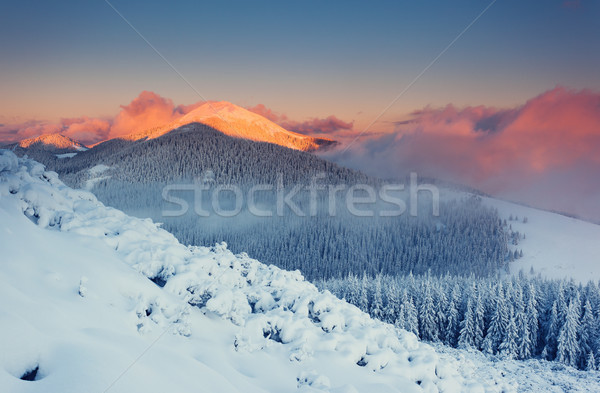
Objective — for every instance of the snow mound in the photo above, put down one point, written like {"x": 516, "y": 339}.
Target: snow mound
{"x": 236, "y": 324}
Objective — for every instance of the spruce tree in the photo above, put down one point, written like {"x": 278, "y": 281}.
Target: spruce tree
{"x": 498, "y": 323}
{"x": 568, "y": 347}
{"x": 427, "y": 318}
{"x": 508, "y": 348}
{"x": 479, "y": 321}
{"x": 377, "y": 303}
{"x": 551, "y": 342}
{"x": 452, "y": 320}
{"x": 590, "y": 364}
{"x": 587, "y": 334}
{"x": 466, "y": 338}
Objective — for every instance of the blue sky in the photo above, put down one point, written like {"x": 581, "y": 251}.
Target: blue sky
{"x": 73, "y": 58}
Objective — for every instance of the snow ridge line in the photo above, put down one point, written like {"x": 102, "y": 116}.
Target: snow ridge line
{"x": 268, "y": 304}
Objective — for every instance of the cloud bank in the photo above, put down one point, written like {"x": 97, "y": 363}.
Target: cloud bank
{"x": 545, "y": 153}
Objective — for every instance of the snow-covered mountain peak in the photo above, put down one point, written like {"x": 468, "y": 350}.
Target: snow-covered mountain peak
{"x": 96, "y": 291}
{"x": 53, "y": 143}
{"x": 238, "y": 122}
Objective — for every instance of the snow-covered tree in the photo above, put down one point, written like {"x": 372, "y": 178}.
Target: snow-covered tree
{"x": 590, "y": 363}
{"x": 428, "y": 326}
{"x": 363, "y": 294}
{"x": 376, "y": 309}
{"x": 452, "y": 318}
{"x": 498, "y": 323}
{"x": 479, "y": 322}
{"x": 553, "y": 330}
{"x": 408, "y": 314}
{"x": 508, "y": 348}
{"x": 466, "y": 338}
{"x": 587, "y": 334}
{"x": 568, "y": 350}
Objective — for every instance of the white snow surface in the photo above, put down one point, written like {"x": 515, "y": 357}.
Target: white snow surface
{"x": 556, "y": 246}
{"x": 95, "y": 176}
{"x": 77, "y": 302}
{"x": 66, "y": 155}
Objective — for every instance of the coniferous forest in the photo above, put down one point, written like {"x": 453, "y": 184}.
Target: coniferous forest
{"x": 518, "y": 318}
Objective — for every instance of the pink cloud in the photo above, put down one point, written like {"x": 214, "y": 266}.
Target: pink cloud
{"x": 326, "y": 126}
{"x": 314, "y": 126}
{"x": 86, "y": 130}
{"x": 510, "y": 152}
{"x": 265, "y": 112}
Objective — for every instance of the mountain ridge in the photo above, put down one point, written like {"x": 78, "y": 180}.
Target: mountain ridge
{"x": 55, "y": 143}
{"x": 235, "y": 121}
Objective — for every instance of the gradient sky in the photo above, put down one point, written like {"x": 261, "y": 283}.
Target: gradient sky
{"x": 305, "y": 59}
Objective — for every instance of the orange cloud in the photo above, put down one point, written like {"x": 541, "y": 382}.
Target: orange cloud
{"x": 86, "y": 130}
{"x": 146, "y": 111}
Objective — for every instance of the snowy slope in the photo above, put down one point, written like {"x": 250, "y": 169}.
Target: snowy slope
{"x": 238, "y": 122}
{"x": 52, "y": 142}
{"x": 555, "y": 246}
{"x": 77, "y": 302}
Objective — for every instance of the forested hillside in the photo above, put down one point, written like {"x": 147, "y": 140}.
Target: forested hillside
{"x": 466, "y": 238}
{"x": 188, "y": 152}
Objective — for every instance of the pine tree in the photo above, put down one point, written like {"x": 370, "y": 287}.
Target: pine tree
{"x": 408, "y": 314}
{"x": 568, "y": 347}
{"x": 351, "y": 289}
{"x": 452, "y": 320}
{"x": 524, "y": 340}
{"x": 401, "y": 318}
{"x": 532, "y": 316}
{"x": 363, "y": 295}
{"x": 441, "y": 305}
{"x": 508, "y": 348}
{"x": 377, "y": 303}
{"x": 498, "y": 323}
{"x": 587, "y": 334}
{"x": 479, "y": 321}
{"x": 549, "y": 352}
{"x": 524, "y": 337}
{"x": 392, "y": 294}
{"x": 427, "y": 320}
{"x": 466, "y": 337}
{"x": 590, "y": 364}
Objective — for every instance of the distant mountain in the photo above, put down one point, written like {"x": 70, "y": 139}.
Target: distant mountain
{"x": 187, "y": 152}
{"x": 53, "y": 143}
{"x": 238, "y": 122}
